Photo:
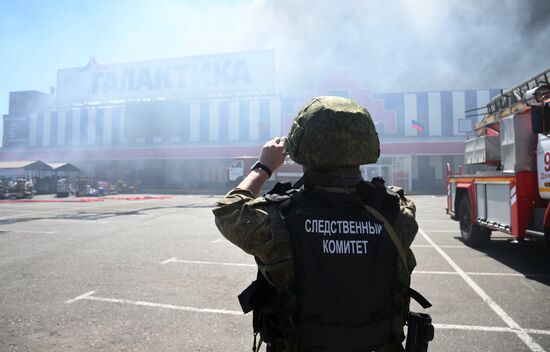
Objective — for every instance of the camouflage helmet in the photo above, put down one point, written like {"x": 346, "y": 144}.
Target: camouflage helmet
{"x": 333, "y": 132}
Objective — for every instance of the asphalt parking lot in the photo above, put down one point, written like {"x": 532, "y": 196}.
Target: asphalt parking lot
{"x": 154, "y": 274}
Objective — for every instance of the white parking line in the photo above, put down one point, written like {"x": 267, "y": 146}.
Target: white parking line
{"x": 473, "y": 273}
{"x": 420, "y": 272}
{"x": 521, "y": 333}
{"x": 529, "y": 286}
{"x": 488, "y": 328}
{"x": 89, "y": 297}
{"x": 537, "y": 331}
{"x": 416, "y": 272}
{"x": 78, "y": 298}
{"x": 473, "y": 327}
{"x": 429, "y": 246}
{"x": 508, "y": 274}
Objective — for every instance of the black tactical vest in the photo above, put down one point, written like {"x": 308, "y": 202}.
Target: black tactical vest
{"x": 345, "y": 269}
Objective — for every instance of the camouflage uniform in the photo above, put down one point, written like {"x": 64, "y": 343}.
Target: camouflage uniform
{"x": 254, "y": 225}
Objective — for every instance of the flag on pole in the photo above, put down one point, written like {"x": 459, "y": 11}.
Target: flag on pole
{"x": 417, "y": 126}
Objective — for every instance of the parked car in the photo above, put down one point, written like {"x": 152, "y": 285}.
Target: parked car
{"x": 82, "y": 188}
{"x": 62, "y": 188}
{"x": 23, "y": 188}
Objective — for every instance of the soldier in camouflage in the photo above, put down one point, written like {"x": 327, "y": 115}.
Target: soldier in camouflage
{"x": 331, "y": 137}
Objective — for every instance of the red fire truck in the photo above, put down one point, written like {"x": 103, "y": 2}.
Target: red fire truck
{"x": 507, "y": 186}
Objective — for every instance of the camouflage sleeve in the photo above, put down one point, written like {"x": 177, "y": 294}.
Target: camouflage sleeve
{"x": 405, "y": 225}
{"x": 242, "y": 220}
{"x": 253, "y": 225}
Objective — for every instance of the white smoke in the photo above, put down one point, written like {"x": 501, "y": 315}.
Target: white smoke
{"x": 409, "y": 45}
{"x": 389, "y": 46}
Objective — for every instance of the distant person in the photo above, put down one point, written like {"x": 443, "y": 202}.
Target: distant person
{"x": 331, "y": 277}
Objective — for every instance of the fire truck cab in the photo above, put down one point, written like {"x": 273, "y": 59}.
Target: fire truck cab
{"x": 509, "y": 191}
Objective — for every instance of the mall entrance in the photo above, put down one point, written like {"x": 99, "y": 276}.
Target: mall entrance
{"x": 375, "y": 170}
{"x": 396, "y": 170}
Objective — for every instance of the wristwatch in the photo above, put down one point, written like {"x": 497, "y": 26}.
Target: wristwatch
{"x": 259, "y": 165}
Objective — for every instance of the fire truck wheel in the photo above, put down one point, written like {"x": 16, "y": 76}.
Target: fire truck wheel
{"x": 473, "y": 235}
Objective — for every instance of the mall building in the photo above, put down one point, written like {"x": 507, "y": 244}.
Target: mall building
{"x": 176, "y": 124}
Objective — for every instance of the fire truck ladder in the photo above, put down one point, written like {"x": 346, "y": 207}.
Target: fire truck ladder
{"x": 510, "y": 101}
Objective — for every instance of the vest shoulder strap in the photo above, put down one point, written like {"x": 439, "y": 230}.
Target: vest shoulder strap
{"x": 402, "y": 254}
{"x": 392, "y": 233}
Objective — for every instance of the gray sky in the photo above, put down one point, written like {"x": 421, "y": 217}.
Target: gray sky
{"x": 391, "y": 46}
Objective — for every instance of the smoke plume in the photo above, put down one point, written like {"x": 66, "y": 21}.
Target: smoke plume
{"x": 389, "y": 46}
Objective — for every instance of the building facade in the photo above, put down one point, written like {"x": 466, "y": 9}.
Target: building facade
{"x": 177, "y": 124}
